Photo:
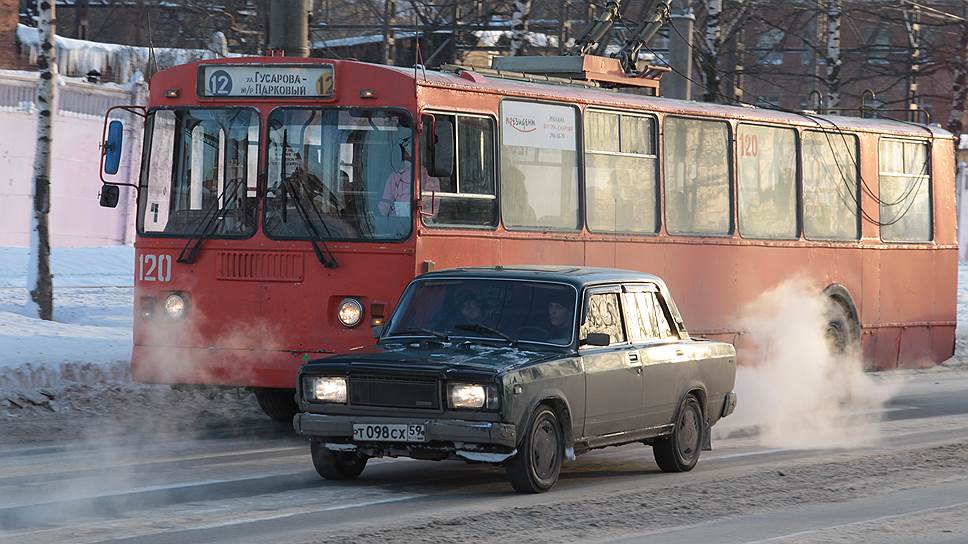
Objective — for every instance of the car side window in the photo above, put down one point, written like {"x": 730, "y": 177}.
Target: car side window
{"x": 604, "y": 316}
{"x": 638, "y": 316}
{"x": 659, "y": 314}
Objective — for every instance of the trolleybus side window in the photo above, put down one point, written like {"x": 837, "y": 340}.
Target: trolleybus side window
{"x": 697, "y": 188}
{"x": 539, "y": 165}
{"x": 200, "y": 161}
{"x": 468, "y": 198}
{"x": 341, "y": 174}
{"x": 620, "y": 173}
{"x": 830, "y": 188}
{"x": 766, "y": 160}
{"x": 905, "y": 191}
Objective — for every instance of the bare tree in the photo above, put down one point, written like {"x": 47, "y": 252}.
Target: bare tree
{"x": 40, "y": 282}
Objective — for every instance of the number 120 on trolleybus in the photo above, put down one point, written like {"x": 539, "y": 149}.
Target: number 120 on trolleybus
{"x": 284, "y": 203}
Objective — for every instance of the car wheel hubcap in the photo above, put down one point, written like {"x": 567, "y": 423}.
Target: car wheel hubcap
{"x": 688, "y": 434}
{"x": 544, "y": 449}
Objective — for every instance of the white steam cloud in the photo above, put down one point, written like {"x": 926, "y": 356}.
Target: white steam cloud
{"x": 792, "y": 387}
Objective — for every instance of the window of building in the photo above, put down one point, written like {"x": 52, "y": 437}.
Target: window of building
{"x": 620, "y": 173}
{"x": 604, "y": 316}
{"x": 905, "y": 191}
{"x": 830, "y": 186}
{"x": 766, "y": 159}
{"x": 696, "y": 158}
{"x": 769, "y": 47}
{"x": 468, "y": 197}
{"x": 539, "y": 165}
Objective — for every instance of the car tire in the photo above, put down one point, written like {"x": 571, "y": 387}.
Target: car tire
{"x": 679, "y": 452}
{"x": 537, "y": 465}
{"x": 336, "y": 465}
{"x": 279, "y": 404}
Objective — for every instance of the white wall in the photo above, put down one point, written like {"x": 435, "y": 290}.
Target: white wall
{"x": 76, "y": 219}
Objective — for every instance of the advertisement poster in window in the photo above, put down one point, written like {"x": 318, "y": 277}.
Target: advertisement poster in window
{"x": 540, "y": 126}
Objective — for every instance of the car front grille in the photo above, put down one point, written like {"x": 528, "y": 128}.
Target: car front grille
{"x": 422, "y": 394}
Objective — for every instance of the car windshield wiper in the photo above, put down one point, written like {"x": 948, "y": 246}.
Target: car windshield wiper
{"x": 422, "y": 331}
{"x": 477, "y": 327}
{"x": 194, "y": 243}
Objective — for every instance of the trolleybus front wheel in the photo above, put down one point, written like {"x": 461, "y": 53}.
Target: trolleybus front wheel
{"x": 279, "y": 404}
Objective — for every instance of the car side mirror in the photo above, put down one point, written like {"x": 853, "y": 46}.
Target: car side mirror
{"x": 442, "y": 163}
{"x": 596, "y": 339}
{"x": 112, "y": 148}
{"x": 109, "y": 196}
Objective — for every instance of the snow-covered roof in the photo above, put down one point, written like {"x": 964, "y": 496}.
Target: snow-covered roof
{"x": 78, "y": 57}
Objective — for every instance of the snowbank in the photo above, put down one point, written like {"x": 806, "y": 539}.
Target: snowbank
{"x": 90, "y": 339}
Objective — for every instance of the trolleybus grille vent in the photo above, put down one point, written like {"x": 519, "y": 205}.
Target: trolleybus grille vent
{"x": 259, "y": 266}
{"x": 394, "y": 392}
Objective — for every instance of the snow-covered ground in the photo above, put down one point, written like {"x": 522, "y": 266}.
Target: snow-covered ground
{"x": 90, "y": 337}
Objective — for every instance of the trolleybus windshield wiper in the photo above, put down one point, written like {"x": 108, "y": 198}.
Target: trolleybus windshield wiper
{"x": 328, "y": 259}
{"x": 187, "y": 255}
{"x": 477, "y": 327}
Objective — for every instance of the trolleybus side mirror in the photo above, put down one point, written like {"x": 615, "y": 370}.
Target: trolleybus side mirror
{"x": 109, "y": 196}
{"x": 443, "y": 152}
{"x": 112, "y": 148}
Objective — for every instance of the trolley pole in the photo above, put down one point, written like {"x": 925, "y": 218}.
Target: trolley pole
{"x": 289, "y": 27}
{"x": 40, "y": 279}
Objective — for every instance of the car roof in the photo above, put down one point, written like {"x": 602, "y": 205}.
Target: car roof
{"x": 578, "y": 276}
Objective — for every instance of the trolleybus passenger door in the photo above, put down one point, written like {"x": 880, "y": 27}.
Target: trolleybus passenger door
{"x": 613, "y": 373}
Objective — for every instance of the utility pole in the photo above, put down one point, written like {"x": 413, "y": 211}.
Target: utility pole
{"x": 519, "y": 25}
{"x": 713, "y": 41}
{"x": 681, "y": 24}
{"x": 289, "y": 27}
{"x": 40, "y": 279}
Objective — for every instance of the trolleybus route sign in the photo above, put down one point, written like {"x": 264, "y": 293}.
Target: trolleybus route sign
{"x": 255, "y": 81}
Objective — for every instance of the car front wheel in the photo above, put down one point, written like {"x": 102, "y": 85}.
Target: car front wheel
{"x": 537, "y": 465}
{"x": 336, "y": 465}
{"x": 679, "y": 452}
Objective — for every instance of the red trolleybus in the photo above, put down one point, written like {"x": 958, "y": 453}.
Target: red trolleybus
{"x": 284, "y": 203}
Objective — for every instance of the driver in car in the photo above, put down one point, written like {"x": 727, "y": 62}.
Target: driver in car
{"x": 559, "y": 322}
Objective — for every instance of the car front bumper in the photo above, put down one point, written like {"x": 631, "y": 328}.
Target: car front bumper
{"x": 480, "y": 433}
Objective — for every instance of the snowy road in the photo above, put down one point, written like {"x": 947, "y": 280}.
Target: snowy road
{"x": 255, "y": 483}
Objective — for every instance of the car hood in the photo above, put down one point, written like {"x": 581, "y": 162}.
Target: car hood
{"x": 445, "y": 359}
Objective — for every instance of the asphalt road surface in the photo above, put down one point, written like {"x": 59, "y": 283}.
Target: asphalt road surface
{"x": 256, "y": 484}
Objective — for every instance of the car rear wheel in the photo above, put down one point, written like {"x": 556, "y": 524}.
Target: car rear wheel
{"x": 679, "y": 452}
{"x": 279, "y": 404}
{"x": 537, "y": 465}
{"x": 336, "y": 465}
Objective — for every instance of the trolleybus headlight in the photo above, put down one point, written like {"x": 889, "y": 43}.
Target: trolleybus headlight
{"x": 330, "y": 389}
{"x": 350, "y": 312}
{"x": 466, "y": 395}
{"x": 175, "y": 305}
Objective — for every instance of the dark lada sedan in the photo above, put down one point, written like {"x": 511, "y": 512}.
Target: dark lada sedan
{"x": 521, "y": 367}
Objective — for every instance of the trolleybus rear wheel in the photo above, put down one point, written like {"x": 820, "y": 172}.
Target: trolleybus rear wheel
{"x": 279, "y": 404}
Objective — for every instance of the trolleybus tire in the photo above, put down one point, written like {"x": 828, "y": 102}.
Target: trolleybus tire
{"x": 537, "y": 465}
{"x": 336, "y": 465}
{"x": 279, "y": 404}
{"x": 843, "y": 330}
{"x": 680, "y": 451}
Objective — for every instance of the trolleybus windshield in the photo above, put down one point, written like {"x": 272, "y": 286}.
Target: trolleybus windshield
{"x": 201, "y": 169}
{"x": 345, "y": 174}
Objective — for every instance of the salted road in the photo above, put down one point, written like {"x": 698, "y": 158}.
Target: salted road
{"x": 256, "y": 484}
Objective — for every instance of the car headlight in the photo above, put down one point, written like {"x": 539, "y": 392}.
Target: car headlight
{"x": 175, "y": 305}
{"x": 467, "y": 395}
{"x": 329, "y": 389}
{"x": 350, "y": 312}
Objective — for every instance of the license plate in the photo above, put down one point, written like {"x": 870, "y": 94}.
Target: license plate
{"x": 389, "y": 432}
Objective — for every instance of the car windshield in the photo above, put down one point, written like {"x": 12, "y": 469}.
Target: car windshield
{"x": 341, "y": 174}
{"x": 503, "y": 310}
